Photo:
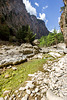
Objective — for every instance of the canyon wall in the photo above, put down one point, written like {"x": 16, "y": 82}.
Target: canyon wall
{"x": 63, "y": 22}
{"x": 15, "y": 15}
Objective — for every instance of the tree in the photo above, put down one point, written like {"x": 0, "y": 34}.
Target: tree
{"x": 25, "y": 34}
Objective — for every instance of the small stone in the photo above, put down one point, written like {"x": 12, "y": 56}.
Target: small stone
{"x": 7, "y": 76}
{"x": 32, "y": 95}
{"x": 19, "y": 96}
{"x": 21, "y": 88}
{"x": 13, "y": 95}
{"x": 6, "y": 97}
{"x": 10, "y": 98}
{"x": 43, "y": 98}
{"x": 16, "y": 91}
{"x": 33, "y": 91}
{"x": 28, "y": 91}
{"x": 14, "y": 68}
{"x": 6, "y": 92}
{"x": 35, "y": 98}
{"x": 36, "y": 89}
{"x": 65, "y": 51}
{"x": 30, "y": 85}
{"x": 9, "y": 67}
{"x": 25, "y": 97}
{"x": 43, "y": 90}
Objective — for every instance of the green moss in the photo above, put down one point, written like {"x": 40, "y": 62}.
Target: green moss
{"x": 20, "y": 75}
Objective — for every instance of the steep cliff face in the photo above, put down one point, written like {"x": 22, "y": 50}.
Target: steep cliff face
{"x": 16, "y": 15}
{"x": 63, "y": 22}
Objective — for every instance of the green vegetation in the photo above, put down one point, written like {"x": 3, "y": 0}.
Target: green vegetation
{"x": 20, "y": 75}
{"x": 4, "y": 32}
{"x": 51, "y": 39}
{"x": 25, "y": 34}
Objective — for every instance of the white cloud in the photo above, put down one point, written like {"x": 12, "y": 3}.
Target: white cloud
{"x": 36, "y": 4}
{"x": 42, "y": 16}
{"x": 45, "y": 7}
{"x": 58, "y": 19}
{"x": 30, "y": 9}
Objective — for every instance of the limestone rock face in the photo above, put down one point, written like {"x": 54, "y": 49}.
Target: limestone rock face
{"x": 63, "y": 22}
{"x": 16, "y": 15}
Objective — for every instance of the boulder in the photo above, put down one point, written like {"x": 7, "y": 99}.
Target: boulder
{"x": 26, "y": 45}
{"x": 36, "y": 42}
{"x": 65, "y": 51}
{"x": 51, "y": 96}
{"x": 27, "y": 51}
{"x": 44, "y": 50}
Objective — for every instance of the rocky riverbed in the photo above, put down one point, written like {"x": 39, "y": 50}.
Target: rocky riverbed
{"x": 49, "y": 84}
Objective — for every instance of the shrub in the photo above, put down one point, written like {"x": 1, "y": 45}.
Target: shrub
{"x": 25, "y": 34}
{"x": 51, "y": 39}
{"x": 4, "y": 32}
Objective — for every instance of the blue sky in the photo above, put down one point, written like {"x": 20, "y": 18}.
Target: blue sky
{"x": 47, "y": 10}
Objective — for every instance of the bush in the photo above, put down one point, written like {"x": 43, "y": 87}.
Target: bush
{"x": 25, "y": 34}
{"x": 51, "y": 39}
{"x": 4, "y": 32}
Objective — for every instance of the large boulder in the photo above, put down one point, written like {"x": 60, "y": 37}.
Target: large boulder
{"x": 36, "y": 42}
{"x": 26, "y": 45}
{"x": 27, "y": 51}
{"x": 51, "y": 96}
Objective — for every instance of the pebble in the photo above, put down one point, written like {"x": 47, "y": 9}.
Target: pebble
{"x": 25, "y": 97}
{"x": 6, "y": 92}
{"x": 28, "y": 91}
{"x": 21, "y": 88}
{"x": 36, "y": 90}
{"x": 7, "y": 76}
